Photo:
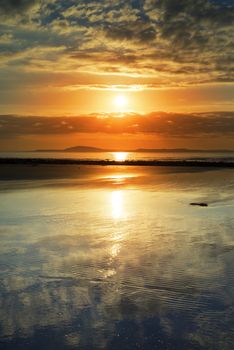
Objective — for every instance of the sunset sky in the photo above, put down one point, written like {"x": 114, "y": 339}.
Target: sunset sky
{"x": 121, "y": 74}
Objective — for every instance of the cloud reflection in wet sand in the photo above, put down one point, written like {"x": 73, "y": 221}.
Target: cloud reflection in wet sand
{"x": 121, "y": 265}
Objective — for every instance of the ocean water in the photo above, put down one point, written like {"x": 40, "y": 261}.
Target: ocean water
{"x": 116, "y": 258}
{"x": 120, "y": 156}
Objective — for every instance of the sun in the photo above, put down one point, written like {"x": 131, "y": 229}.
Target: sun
{"x": 120, "y": 101}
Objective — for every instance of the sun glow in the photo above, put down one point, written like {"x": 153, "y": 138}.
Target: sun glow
{"x": 120, "y": 156}
{"x": 120, "y": 101}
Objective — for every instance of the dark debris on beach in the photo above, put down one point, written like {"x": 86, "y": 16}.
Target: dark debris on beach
{"x": 106, "y": 162}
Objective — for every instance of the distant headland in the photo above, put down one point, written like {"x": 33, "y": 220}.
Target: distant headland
{"x": 138, "y": 150}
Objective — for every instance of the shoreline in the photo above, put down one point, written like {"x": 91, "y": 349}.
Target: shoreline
{"x": 106, "y": 162}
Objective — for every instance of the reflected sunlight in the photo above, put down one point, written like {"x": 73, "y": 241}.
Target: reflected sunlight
{"x": 115, "y": 250}
{"x": 117, "y": 204}
{"x": 120, "y": 156}
{"x": 119, "y": 179}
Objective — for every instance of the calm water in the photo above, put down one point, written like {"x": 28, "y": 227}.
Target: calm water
{"x": 116, "y": 258}
{"x": 228, "y": 156}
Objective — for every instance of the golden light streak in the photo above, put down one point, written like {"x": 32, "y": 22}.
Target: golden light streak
{"x": 120, "y": 156}
{"x": 117, "y": 204}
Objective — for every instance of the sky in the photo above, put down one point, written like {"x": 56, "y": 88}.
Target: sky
{"x": 137, "y": 73}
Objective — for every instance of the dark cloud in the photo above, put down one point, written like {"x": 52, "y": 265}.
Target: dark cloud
{"x": 166, "y": 38}
{"x": 9, "y": 7}
{"x": 165, "y": 124}
{"x": 188, "y": 23}
{"x": 138, "y": 32}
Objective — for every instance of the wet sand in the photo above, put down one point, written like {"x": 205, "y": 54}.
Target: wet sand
{"x": 114, "y": 257}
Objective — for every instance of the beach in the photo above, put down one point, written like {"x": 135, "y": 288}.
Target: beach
{"x": 114, "y": 257}
{"x": 116, "y": 175}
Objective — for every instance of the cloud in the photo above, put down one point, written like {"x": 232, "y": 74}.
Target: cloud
{"x": 166, "y": 39}
{"x": 10, "y": 6}
{"x": 164, "y": 124}
{"x": 18, "y": 11}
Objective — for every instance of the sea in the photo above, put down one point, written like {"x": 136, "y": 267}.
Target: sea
{"x": 121, "y": 155}
{"x": 115, "y": 257}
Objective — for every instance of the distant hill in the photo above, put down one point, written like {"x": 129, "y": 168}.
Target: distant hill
{"x": 181, "y": 150}
{"x": 84, "y": 149}
{"x": 139, "y": 150}
{"x": 164, "y": 150}
{"x": 74, "y": 149}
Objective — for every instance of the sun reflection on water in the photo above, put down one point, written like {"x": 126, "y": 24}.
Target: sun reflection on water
{"x": 117, "y": 204}
{"x": 121, "y": 256}
{"x": 115, "y": 250}
{"x": 119, "y": 179}
{"x": 120, "y": 156}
